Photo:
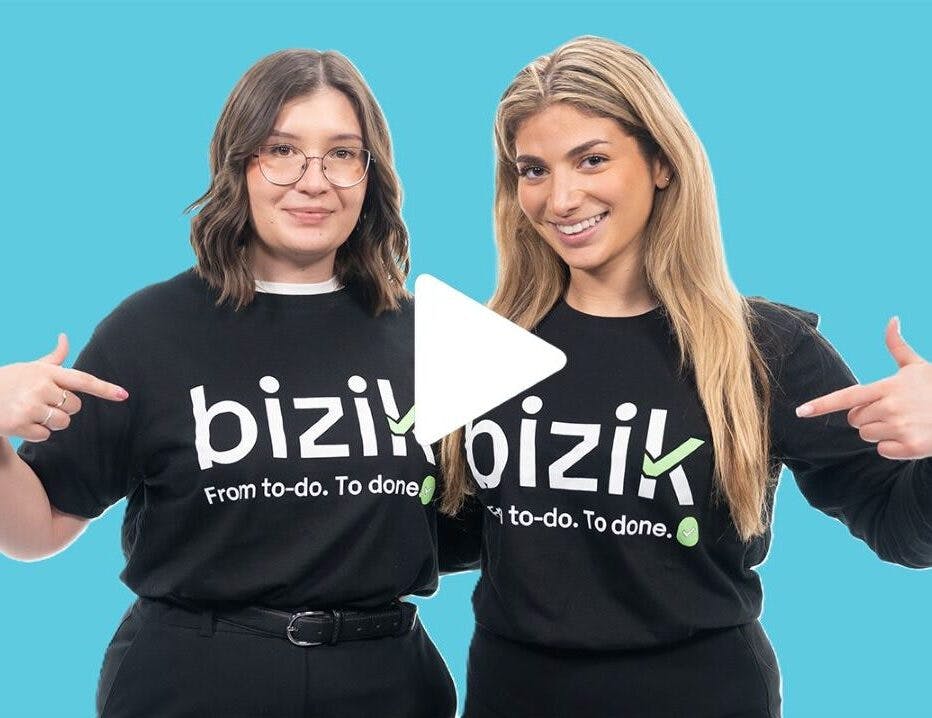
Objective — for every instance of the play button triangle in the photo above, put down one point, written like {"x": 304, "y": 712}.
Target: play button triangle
{"x": 468, "y": 359}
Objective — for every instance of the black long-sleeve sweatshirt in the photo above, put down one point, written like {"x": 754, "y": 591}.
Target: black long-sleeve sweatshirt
{"x": 602, "y": 527}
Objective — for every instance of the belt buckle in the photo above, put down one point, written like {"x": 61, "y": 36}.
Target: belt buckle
{"x": 292, "y": 628}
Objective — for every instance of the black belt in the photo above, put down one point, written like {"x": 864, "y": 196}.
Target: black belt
{"x": 315, "y": 628}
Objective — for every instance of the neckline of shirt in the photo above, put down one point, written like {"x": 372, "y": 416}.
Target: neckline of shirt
{"x": 583, "y": 316}
{"x": 299, "y": 288}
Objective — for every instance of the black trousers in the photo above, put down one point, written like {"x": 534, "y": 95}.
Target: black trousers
{"x": 164, "y": 663}
{"x": 731, "y": 673}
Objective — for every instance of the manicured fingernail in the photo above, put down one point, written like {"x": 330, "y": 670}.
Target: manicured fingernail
{"x": 899, "y": 327}
{"x": 804, "y": 410}
{"x": 121, "y": 393}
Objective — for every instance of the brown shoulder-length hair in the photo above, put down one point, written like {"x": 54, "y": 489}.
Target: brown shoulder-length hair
{"x": 683, "y": 256}
{"x": 375, "y": 259}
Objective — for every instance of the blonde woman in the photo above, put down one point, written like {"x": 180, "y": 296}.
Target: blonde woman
{"x": 629, "y": 495}
{"x": 255, "y": 412}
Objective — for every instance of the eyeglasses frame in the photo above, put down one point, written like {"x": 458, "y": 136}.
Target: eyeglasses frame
{"x": 307, "y": 163}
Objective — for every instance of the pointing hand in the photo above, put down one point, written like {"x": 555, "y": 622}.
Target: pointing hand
{"x": 895, "y": 413}
{"x": 38, "y": 397}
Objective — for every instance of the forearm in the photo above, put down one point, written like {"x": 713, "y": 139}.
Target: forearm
{"x": 887, "y": 504}
{"x": 901, "y": 530}
{"x": 30, "y": 528}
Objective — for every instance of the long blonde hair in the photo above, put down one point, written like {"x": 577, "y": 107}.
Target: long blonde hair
{"x": 683, "y": 254}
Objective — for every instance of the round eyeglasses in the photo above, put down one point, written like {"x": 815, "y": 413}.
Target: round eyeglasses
{"x": 284, "y": 164}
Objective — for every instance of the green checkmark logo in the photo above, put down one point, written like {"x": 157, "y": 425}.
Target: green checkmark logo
{"x": 401, "y": 426}
{"x": 428, "y": 486}
{"x": 665, "y": 463}
{"x": 688, "y": 532}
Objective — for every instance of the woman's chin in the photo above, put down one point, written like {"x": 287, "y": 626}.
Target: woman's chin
{"x": 581, "y": 261}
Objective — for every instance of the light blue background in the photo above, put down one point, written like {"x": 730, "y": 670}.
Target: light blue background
{"x": 816, "y": 120}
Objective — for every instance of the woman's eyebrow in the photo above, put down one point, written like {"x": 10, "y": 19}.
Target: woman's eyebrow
{"x": 577, "y": 150}
{"x": 585, "y": 147}
{"x": 333, "y": 138}
{"x": 529, "y": 159}
{"x": 282, "y": 133}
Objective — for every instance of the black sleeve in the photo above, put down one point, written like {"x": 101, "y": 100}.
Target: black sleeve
{"x": 884, "y": 502}
{"x": 85, "y": 467}
{"x": 459, "y": 538}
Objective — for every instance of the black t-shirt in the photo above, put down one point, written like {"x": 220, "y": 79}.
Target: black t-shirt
{"x": 603, "y": 530}
{"x": 267, "y": 455}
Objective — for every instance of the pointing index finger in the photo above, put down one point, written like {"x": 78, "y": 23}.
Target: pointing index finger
{"x": 843, "y": 399}
{"x": 76, "y": 380}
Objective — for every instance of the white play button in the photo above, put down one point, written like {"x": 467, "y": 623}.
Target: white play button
{"x": 468, "y": 359}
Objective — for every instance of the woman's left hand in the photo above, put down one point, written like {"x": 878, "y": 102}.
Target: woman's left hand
{"x": 895, "y": 413}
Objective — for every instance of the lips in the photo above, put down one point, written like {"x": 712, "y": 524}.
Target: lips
{"x": 581, "y": 225}
{"x": 309, "y": 210}
{"x": 308, "y": 215}
{"x": 579, "y": 233}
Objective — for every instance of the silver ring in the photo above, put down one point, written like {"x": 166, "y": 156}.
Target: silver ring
{"x": 64, "y": 398}
{"x": 47, "y": 417}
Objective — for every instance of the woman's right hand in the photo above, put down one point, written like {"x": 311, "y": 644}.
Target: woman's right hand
{"x": 38, "y": 397}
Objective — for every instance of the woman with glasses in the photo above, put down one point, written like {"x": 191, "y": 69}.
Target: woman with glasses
{"x": 630, "y": 494}
{"x": 255, "y": 411}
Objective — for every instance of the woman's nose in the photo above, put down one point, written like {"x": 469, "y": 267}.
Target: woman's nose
{"x": 565, "y": 194}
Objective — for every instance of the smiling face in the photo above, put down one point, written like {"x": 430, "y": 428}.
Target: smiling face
{"x": 300, "y": 226}
{"x": 585, "y": 186}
